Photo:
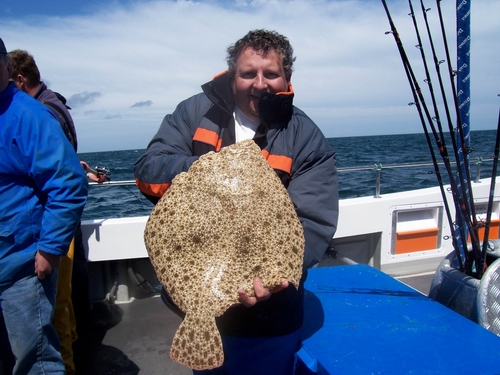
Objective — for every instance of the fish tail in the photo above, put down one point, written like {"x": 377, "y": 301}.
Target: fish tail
{"x": 197, "y": 343}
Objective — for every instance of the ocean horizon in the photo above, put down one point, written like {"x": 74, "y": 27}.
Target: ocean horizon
{"x": 357, "y": 160}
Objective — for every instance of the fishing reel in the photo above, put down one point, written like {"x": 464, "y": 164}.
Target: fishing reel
{"x": 103, "y": 171}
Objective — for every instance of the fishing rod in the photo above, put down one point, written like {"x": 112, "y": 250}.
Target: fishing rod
{"x": 465, "y": 218}
{"x": 463, "y": 166}
{"x": 460, "y": 186}
{"x": 491, "y": 195}
{"x": 428, "y": 79}
{"x": 418, "y": 100}
{"x": 452, "y": 73}
{"x": 437, "y": 64}
{"x": 461, "y": 256}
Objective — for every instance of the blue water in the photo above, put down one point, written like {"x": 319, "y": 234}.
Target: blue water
{"x": 125, "y": 201}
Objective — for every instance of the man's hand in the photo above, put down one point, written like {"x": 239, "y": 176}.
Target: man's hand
{"x": 261, "y": 293}
{"x": 45, "y": 263}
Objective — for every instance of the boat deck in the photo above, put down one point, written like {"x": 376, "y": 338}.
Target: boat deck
{"x": 138, "y": 337}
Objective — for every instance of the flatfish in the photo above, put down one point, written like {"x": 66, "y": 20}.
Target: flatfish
{"x": 226, "y": 221}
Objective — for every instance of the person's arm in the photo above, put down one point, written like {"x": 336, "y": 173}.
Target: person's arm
{"x": 313, "y": 189}
{"x": 45, "y": 263}
{"x": 92, "y": 174}
{"x": 50, "y": 161}
{"x": 313, "y": 186}
{"x": 170, "y": 151}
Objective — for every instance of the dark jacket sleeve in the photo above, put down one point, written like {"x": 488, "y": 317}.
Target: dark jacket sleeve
{"x": 170, "y": 151}
{"x": 313, "y": 189}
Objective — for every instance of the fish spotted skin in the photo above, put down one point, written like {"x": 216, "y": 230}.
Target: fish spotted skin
{"x": 226, "y": 221}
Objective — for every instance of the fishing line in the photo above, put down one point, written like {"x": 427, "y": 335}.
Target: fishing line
{"x": 136, "y": 197}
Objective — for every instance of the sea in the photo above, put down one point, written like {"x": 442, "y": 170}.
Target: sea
{"x": 403, "y": 162}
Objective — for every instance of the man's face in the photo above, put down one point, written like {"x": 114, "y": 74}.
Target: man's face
{"x": 5, "y": 73}
{"x": 255, "y": 74}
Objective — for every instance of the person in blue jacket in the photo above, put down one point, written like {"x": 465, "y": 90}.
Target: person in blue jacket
{"x": 253, "y": 99}
{"x": 43, "y": 190}
{"x": 71, "y": 316}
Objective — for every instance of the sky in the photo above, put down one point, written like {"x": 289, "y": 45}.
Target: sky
{"x": 123, "y": 65}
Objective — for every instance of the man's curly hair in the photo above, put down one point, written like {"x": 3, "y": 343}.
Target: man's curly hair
{"x": 262, "y": 41}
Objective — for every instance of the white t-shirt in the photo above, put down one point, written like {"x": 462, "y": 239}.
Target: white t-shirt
{"x": 244, "y": 127}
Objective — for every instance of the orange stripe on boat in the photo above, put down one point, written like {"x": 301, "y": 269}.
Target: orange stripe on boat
{"x": 206, "y": 136}
{"x": 416, "y": 240}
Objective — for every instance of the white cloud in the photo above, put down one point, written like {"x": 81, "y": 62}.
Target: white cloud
{"x": 348, "y": 75}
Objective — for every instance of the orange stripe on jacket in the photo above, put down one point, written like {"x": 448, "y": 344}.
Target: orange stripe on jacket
{"x": 207, "y": 136}
{"x": 155, "y": 190}
{"x": 283, "y": 163}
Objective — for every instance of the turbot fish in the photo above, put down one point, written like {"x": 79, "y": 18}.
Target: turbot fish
{"x": 226, "y": 221}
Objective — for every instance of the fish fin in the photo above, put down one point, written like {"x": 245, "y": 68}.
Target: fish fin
{"x": 197, "y": 343}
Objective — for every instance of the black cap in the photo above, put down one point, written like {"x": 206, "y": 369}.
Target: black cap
{"x": 2, "y": 47}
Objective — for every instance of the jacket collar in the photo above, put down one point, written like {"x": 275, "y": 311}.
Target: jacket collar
{"x": 220, "y": 93}
{"x": 41, "y": 89}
